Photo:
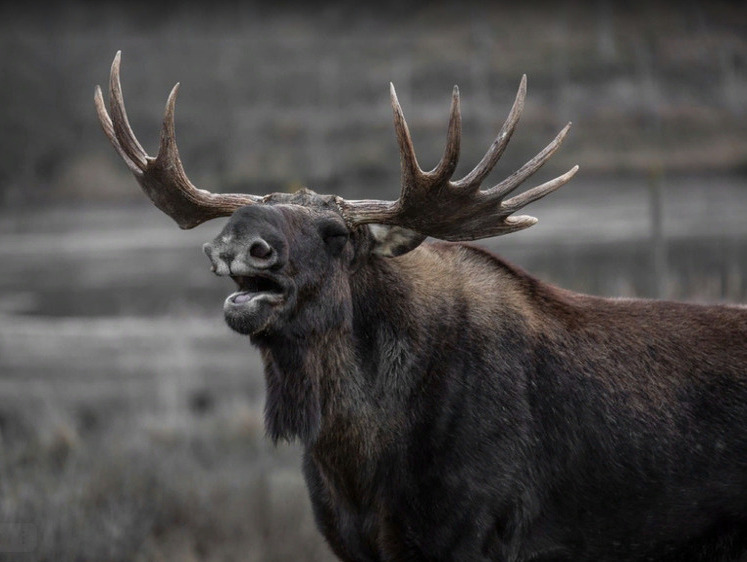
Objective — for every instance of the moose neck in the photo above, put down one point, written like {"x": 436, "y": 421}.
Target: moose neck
{"x": 396, "y": 316}
{"x": 303, "y": 377}
{"x": 330, "y": 380}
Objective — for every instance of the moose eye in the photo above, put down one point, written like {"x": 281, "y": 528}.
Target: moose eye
{"x": 335, "y": 236}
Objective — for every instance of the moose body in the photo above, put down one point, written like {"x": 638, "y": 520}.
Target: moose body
{"x": 451, "y": 406}
{"x": 467, "y": 411}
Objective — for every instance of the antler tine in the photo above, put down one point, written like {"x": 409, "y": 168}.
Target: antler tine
{"x": 472, "y": 181}
{"x": 125, "y": 135}
{"x": 448, "y": 163}
{"x": 168, "y": 151}
{"x": 497, "y": 224}
{"x": 523, "y": 199}
{"x": 108, "y": 126}
{"x": 162, "y": 178}
{"x": 409, "y": 163}
{"x": 519, "y": 176}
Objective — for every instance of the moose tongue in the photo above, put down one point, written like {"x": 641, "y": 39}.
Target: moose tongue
{"x": 243, "y": 297}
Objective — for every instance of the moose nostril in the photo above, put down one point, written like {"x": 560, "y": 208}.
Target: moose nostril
{"x": 260, "y": 249}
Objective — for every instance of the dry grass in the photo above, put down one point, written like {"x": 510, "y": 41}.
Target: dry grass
{"x": 201, "y": 488}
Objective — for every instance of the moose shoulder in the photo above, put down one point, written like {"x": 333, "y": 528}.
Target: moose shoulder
{"x": 451, "y": 406}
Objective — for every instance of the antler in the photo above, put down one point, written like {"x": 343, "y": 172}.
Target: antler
{"x": 432, "y": 204}
{"x": 162, "y": 178}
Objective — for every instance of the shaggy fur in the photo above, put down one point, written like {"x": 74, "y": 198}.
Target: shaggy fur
{"x": 452, "y": 407}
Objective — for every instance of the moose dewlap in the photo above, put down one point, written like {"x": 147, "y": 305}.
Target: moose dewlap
{"x": 450, "y": 405}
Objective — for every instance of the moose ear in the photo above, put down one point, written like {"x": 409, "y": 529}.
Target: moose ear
{"x": 392, "y": 241}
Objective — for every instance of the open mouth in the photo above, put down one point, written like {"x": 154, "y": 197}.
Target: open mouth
{"x": 255, "y": 286}
{"x": 260, "y": 303}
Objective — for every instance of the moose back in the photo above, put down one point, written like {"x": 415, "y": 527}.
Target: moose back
{"x": 450, "y": 405}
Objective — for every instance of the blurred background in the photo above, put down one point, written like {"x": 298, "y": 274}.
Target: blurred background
{"x": 130, "y": 415}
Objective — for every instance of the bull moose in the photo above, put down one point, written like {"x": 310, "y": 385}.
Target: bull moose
{"x": 450, "y": 405}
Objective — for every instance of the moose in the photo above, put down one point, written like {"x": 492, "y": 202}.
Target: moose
{"x": 450, "y": 405}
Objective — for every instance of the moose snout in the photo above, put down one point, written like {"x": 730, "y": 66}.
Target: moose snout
{"x": 252, "y": 240}
{"x": 230, "y": 256}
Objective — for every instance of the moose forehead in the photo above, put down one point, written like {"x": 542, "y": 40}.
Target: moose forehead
{"x": 304, "y": 197}
{"x": 303, "y": 206}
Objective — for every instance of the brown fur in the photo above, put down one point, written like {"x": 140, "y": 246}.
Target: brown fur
{"x": 452, "y": 406}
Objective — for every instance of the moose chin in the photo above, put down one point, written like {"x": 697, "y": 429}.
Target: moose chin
{"x": 450, "y": 405}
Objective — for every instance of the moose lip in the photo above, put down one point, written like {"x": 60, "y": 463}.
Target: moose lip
{"x": 254, "y": 286}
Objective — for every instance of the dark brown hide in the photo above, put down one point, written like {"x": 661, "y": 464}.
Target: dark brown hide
{"x": 452, "y": 407}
